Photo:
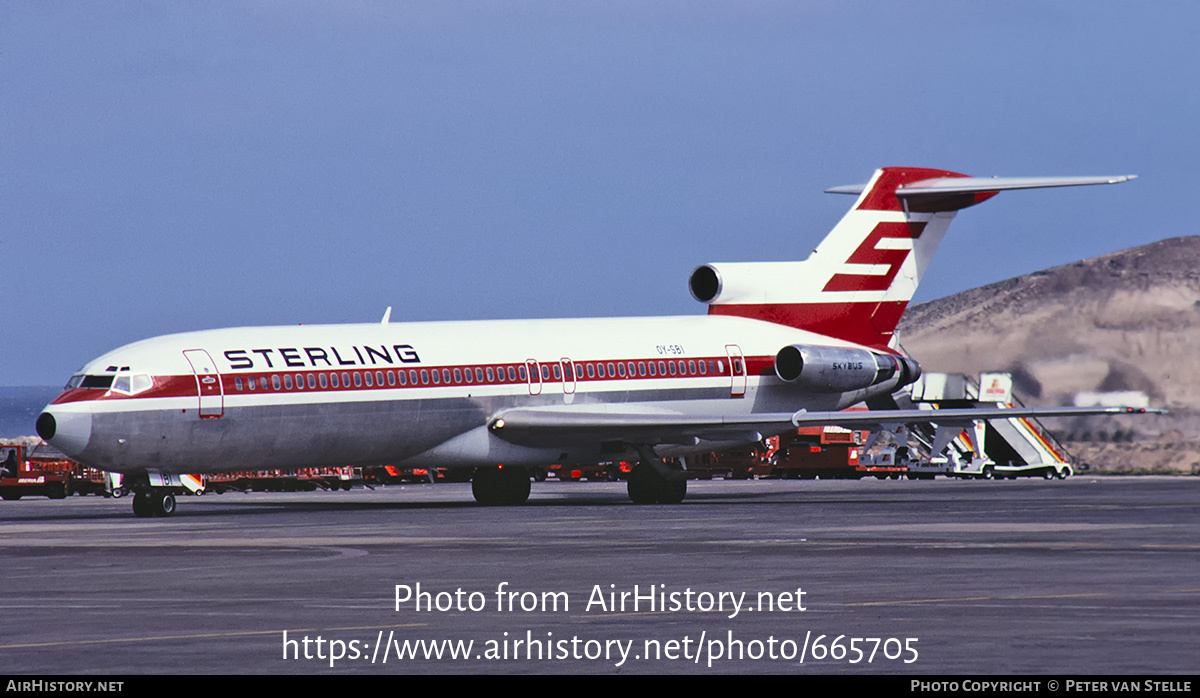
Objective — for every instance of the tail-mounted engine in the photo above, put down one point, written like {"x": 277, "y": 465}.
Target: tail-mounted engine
{"x": 838, "y": 370}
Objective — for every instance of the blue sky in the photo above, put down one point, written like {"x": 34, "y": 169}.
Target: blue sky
{"x": 175, "y": 166}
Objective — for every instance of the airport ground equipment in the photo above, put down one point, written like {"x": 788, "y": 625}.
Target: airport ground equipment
{"x": 44, "y": 472}
{"x": 991, "y": 448}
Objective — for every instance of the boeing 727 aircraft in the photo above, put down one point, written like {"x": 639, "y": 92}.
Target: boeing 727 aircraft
{"x": 784, "y": 344}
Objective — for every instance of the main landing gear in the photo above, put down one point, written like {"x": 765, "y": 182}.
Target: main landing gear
{"x": 157, "y": 501}
{"x": 654, "y": 482}
{"x": 500, "y": 486}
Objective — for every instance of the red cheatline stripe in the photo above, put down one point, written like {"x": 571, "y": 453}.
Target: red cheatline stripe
{"x": 185, "y": 385}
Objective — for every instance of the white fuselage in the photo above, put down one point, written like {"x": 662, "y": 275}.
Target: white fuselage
{"x": 415, "y": 393}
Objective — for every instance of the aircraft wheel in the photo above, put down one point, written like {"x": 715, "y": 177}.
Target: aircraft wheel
{"x": 672, "y": 491}
{"x": 641, "y": 485}
{"x": 163, "y": 504}
{"x": 989, "y": 473}
{"x": 647, "y": 486}
{"x": 500, "y": 486}
{"x": 1062, "y": 474}
{"x": 142, "y": 505}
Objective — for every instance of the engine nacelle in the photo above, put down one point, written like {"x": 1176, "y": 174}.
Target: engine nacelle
{"x": 838, "y": 370}
{"x": 744, "y": 282}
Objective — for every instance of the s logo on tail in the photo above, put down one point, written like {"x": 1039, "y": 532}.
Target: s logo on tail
{"x": 858, "y": 282}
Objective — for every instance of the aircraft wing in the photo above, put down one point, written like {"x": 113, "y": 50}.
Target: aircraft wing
{"x": 544, "y": 427}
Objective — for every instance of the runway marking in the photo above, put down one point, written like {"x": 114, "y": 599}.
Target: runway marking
{"x": 198, "y": 636}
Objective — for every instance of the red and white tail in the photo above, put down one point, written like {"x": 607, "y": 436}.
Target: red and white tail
{"x": 859, "y": 280}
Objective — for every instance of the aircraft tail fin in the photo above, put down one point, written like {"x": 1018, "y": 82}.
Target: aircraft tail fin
{"x": 857, "y": 283}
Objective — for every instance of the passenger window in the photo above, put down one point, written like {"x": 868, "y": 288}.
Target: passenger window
{"x": 491, "y": 375}
{"x": 400, "y": 376}
{"x": 358, "y": 379}
{"x": 468, "y": 375}
{"x": 641, "y": 368}
{"x": 720, "y": 366}
{"x": 557, "y": 372}
{"x": 370, "y": 380}
{"x": 287, "y": 381}
{"x": 312, "y": 381}
{"x": 512, "y": 373}
{"x": 324, "y": 380}
{"x": 591, "y": 370}
{"x": 437, "y": 379}
{"x": 346, "y": 379}
{"x": 457, "y": 375}
{"x": 478, "y": 375}
{"x": 692, "y": 367}
{"x": 251, "y": 382}
{"x": 612, "y": 370}
{"x": 275, "y": 381}
{"x": 424, "y": 377}
{"x": 237, "y": 384}
{"x": 392, "y": 378}
{"x": 545, "y": 372}
{"x": 333, "y": 380}
{"x": 262, "y": 382}
{"x": 521, "y": 372}
{"x": 702, "y": 371}
{"x": 379, "y": 378}
{"x": 446, "y": 375}
{"x": 653, "y": 370}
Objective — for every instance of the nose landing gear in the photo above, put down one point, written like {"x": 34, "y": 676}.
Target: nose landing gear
{"x": 154, "y": 502}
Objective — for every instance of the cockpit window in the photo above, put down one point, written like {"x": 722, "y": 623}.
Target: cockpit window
{"x": 131, "y": 384}
{"x": 98, "y": 382}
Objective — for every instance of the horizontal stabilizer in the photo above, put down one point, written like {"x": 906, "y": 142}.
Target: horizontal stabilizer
{"x": 938, "y": 194}
{"x": 973, "y": 185}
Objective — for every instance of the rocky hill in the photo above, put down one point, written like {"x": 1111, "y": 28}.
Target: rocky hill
{"x": 1123, "y": 321}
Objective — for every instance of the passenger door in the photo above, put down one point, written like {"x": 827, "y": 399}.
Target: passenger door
{"x": 208, "y": 384}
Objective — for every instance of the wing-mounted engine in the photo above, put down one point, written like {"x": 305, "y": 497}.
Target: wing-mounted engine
{"x": 839, "y": 370}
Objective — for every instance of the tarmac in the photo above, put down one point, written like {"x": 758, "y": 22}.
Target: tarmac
{"x": 1088, "y": 576}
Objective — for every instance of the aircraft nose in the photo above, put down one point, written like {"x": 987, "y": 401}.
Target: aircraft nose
{"x": 67, "y": 431}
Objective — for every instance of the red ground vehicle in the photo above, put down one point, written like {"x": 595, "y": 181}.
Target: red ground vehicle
{"x": 43, "y": 472}
{"x": 809, "y": 452}
{"x": 298, "y": 480}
